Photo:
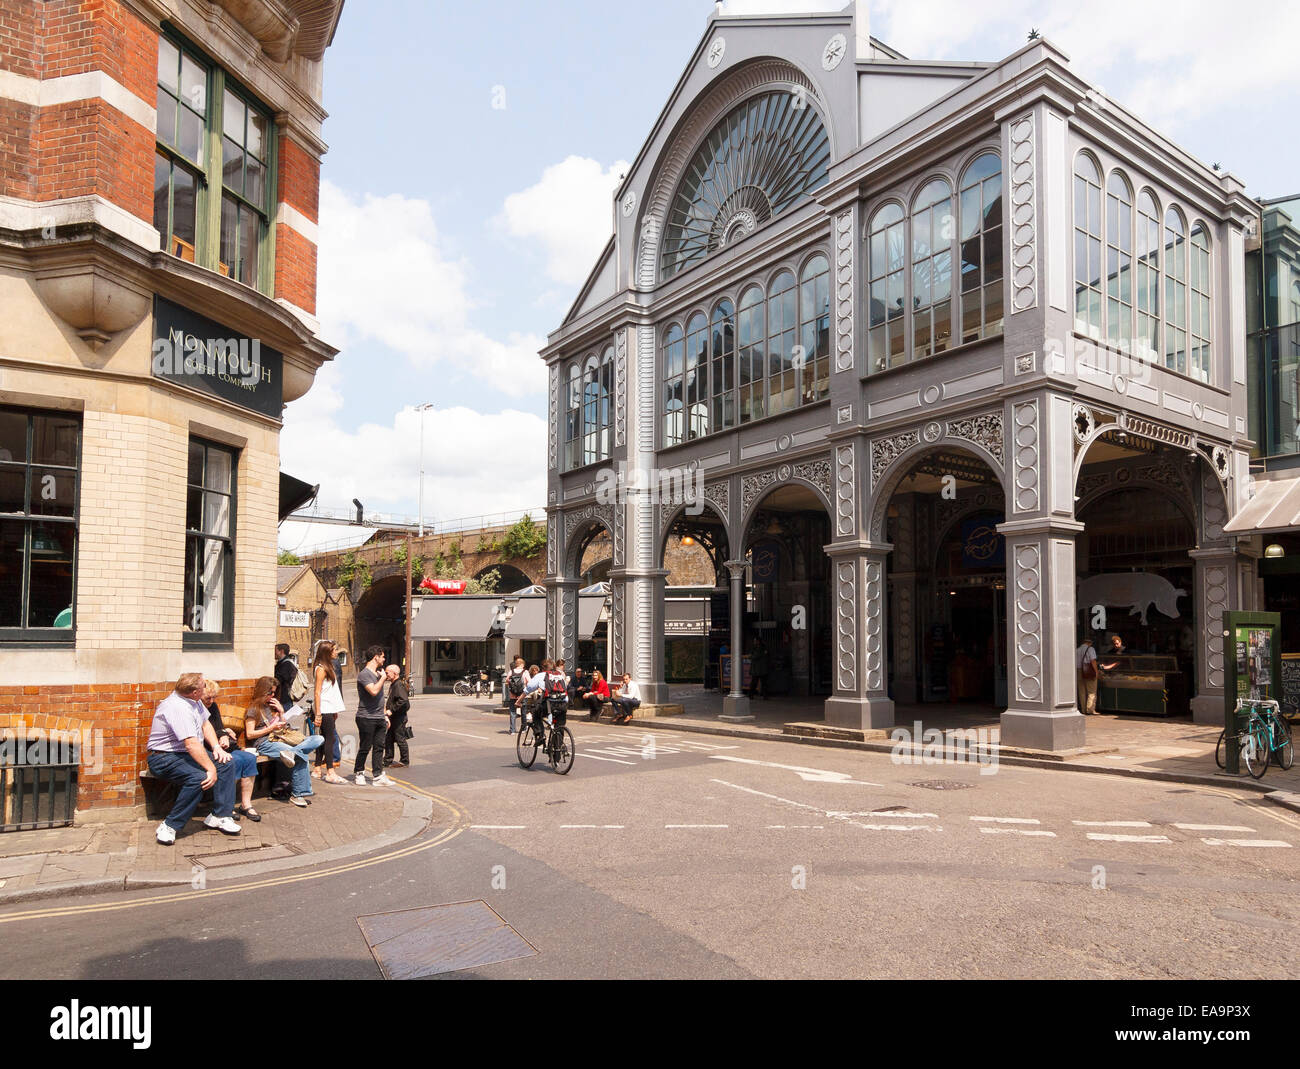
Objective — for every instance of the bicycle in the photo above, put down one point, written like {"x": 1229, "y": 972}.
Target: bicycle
{"x": 542, "y": 732}
{"x": 1266, "y": 733}
{"x": 477, "y": 683}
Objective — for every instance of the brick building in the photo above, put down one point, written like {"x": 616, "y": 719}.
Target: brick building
{"x": 309, "y": 612}
{"x": 159, "y": 177}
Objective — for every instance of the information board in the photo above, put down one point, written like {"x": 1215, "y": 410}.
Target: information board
{"x": 1291, "y": 680}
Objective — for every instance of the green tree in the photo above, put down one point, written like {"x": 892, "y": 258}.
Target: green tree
{"x": 287, "y": 556}
{"x": 524, "y": 540}
{"x": 487, "y": 583}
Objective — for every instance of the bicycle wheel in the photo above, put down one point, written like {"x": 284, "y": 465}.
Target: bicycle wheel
{"x": 461, "y": 688}
{"x": 1218, "y": 749}
{"x": 526, "y": 746}
{"x": 562, "y": 750}
{"x": 1283, "y": 751}
{"x": 1255, "y": 748}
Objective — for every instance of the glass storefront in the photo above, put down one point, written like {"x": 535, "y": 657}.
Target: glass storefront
{"x": 1273, "y": 325}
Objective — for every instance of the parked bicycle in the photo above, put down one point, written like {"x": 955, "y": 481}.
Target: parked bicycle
{"x": 478, "y": 682}
{"x": 1266, "y": 737}
{"x": 540, "y": 731}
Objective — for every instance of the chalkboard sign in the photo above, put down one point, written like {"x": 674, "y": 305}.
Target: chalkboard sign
{"x": 1291, "y": 679}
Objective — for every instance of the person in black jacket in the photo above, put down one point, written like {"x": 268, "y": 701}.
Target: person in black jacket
{"x": 399, "y": 705}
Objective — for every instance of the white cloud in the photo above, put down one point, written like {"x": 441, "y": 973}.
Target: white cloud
{"x": 384, "y": 277}
{"x": 475, "y": 463}
{"x": 569, "y": 212}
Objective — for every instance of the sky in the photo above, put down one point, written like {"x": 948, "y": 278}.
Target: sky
{"x": 474, "y": 150}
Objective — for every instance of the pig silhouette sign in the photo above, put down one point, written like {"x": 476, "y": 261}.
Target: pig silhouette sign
{"x": 1136, "y": 591}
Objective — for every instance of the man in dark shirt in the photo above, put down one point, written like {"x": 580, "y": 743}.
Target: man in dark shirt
{"x": 286, "y": 671}
{"x": 372, "y": 719}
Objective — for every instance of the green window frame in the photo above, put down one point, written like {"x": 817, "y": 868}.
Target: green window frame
{"x": 40, "y": 481}
{"x": 208, "y": 611}
{"x": 214, "y": 168}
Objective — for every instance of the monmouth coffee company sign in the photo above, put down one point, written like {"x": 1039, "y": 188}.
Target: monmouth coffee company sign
{"x": 192, "y": 350}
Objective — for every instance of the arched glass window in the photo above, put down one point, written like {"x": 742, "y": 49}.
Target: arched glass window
{"x": 722, "y": 334}
{"x": 591, "y": 410}
{"x": 674, "y": 353}
{"x": 981, "y": 248}
{"x": 1119, "y": 259}
{"x": 573, "y": 418}
{"x": 886, "y": 263}
{"x": 1087, "y": 247}
{"x": 749, "y": 355}
{"x": 606, "y": 402}
{"x": 762, "y": 159}
{"x": 1198, "y": 319}
{"x": 1175, "y": 292}
{"x": 932, "y": 233}
{"x": 782, "y": 331}
{"x": 696, "y": 380}
{"x": 1147, "y": 340}
{"x": 815, "y": 331}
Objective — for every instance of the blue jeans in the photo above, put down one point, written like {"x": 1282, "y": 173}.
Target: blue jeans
{"x": 182, "y": 769}
{"x": 301, "y": 771}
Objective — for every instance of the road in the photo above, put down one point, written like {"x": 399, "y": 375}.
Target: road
{"x": 667, "y": 854}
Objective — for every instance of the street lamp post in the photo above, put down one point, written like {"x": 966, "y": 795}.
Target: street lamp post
{"x": 422, "y": 409}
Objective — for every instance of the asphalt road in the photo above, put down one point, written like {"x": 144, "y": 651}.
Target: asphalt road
{"x": 666, "y": 854}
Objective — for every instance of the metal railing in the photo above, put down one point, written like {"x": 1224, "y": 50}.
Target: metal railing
{"x": 382, "y": 523}
{"x": 37, "y": 796}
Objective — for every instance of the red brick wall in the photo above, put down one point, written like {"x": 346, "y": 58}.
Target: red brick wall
{"x": 17, "y": 143}
{"x": 295, "y": 268}
{"x": 19, "y": 37}
{"x": 87, "y": 146}
{"x": 122, "y": 712}
{"x": 299, "y": 179}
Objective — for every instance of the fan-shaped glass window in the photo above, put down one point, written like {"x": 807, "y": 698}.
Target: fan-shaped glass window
{"x": 722, "y": 335}
{"x": 1087, "y": 247}
{"x": 1175, "y": 292}
{"x": 981, "y": 248}
{"x": 1119, "y": 259}
{"x": 815, "y": 331}
{"x": 887, "y": 260}
{"x": 674, "y": 353}
{"x": 1198, "y": 291}
{"x": 762, "y": 159}
{"x": 932, "y": 233}
{"x": 1148, "y": 278}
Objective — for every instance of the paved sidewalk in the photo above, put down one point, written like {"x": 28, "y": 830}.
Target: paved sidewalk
{"x": 343, "y": 821}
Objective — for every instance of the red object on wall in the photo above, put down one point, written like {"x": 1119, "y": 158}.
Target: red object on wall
{"x": 443, "y": 586}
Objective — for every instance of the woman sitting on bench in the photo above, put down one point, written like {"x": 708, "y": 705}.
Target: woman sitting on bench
{"x": 245, "y": 762}
{"x": 267, "y": 728}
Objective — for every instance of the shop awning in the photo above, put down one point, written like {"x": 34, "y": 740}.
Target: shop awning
{"x": 589, "y": 609}
{"x": 455, "y": 619}
{"x": 529, "y": 620}
{"x": 686, "y": 616}
{"x": 1274, "y": 508}
{"x": 294, "y": 493}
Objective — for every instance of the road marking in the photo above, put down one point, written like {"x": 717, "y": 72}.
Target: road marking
{"x": 1018, "y": 831}
{"x": 830, "y": 813}
{"x": 1246, "y": 842}
{"x": 462, "y": 734}
{"x": 615, "y": 760}
{"x": 497, "y": 827}
{"x": 1009, "y": 820}
{"x": 598, "y": 827}
{"x": 1111, "y": 823}
{"x": 1103, "y": 838}
{"x": 882, "y": 813}
{"x": 891, "y": 827}
{"x": 796, "y": 827}
{"x": 697, "y": 825}
{"x": 811, "y": 775}
{"x": 1213, "y": 827}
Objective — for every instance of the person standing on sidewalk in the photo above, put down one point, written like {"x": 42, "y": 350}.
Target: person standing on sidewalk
{"x": 328, "y": 703}
{"x": 176, "y": 753}
{"x": 372, "y": 720}
{"x": 399, "y": 705}
{"x": 1085, "y": 665}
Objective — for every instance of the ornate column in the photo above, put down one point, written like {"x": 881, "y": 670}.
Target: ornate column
{"x": 735, "y": 706}
{"x": 1216, "y": 592}
{"x": 567, "y": 600}
{"x": 861, "y": 698}
{"x": 902, "y": 601}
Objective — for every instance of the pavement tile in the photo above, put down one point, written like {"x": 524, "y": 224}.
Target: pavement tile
{"x": 21, "y": 865}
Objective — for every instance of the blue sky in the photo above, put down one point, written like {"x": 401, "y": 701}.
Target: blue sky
{"x": 474, "y": 147}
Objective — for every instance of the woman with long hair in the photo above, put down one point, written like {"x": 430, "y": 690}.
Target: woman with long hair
{"x": 264, "y": 720}
{"x": 328, "y": 705}
{"x": 245, "y": 762}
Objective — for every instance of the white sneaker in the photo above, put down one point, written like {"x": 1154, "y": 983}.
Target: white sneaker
{"x": 289, "y": 758}
{"x": 166, "y": 834}
{"x": 360, "y": 780}
{"x": 225, "y": 824}
{"x": 382, "y": 780}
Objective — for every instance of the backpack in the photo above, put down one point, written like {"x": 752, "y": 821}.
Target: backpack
{"x": 515, "y": 683}
{"x": 298, "y": 688}
{"x": 556, "y": 685}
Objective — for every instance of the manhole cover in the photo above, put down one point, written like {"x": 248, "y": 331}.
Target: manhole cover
{"x": 942, "y": 785}
{"x": 243, "y": 857}
{"x": 429, "y": 940}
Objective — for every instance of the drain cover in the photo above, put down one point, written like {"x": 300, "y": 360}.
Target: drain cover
{"x": 429, "y": 940}
{"x": 942, "y": 785}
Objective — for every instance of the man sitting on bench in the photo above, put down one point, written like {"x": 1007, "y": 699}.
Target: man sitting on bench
{"x": 626, "y": 700}
{"x": 176, "y": 753}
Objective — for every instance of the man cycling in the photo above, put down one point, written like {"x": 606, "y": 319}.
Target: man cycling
{"x": 530, "y": 700}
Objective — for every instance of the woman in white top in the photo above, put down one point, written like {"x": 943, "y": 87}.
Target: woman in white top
{"x": 329, "y": 703}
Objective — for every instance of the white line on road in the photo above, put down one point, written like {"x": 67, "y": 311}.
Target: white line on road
{"x": 796, "y": 827}
{"x": 1009, "y": 820}
{"x": 615, "y": 760}
{"x": 443, "y": 731}
{"x": 812, "y": 775}
{"x": 892, "y": 827}
{"x": 881, "y": 813}
{"x": 1111, "y": 823}
{"x": 1018, "y": 831}
{"x": 829, "y": 813}
{"x": 697, "y": 825}
{"x": 1102, "y": 838}
{"x": 1213, "y": 827}
{"x": 1246, "y": 842}
{"x": 598, "y": 827}
{"x": 497, "y": 827}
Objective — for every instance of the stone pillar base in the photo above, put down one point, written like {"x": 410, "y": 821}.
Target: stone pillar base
{"x": 1207, "y": 709}
{"x": 860, "y": 712}
{"x": 736, "y": 710}
{"x": 653, "y": 693}
{"x": 1035, "y": 729}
